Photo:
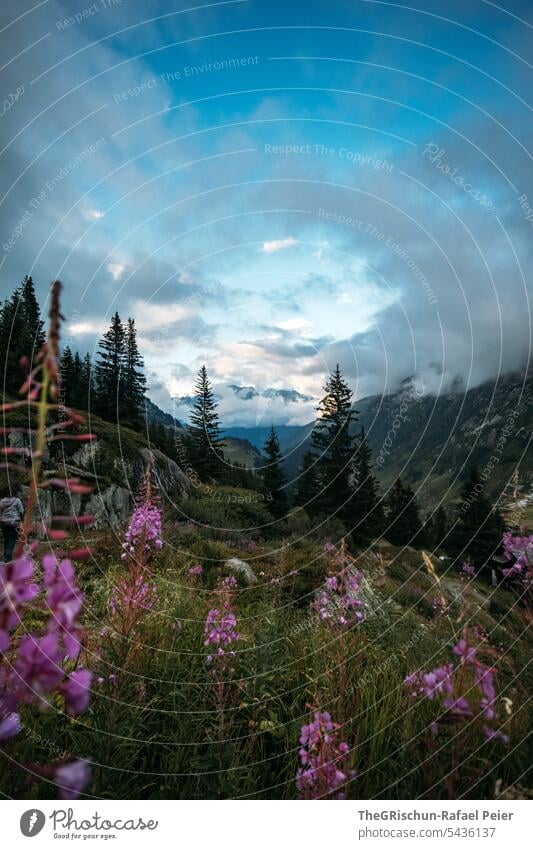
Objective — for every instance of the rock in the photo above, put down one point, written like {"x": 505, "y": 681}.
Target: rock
{"x": 241, "y": 567}
{"x": 168, "y": 474}
{"x": 111, "y": 507}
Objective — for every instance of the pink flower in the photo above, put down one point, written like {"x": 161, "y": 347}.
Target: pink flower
{"x": 339, "y": 603}
{"x": 143, "y": 535}
{"x": 72, "y": 778}
{"x": 322, "y": 758}
{"x": 76, "y": 691}
{"x": 196, "y": 570}
{"x": 462, "y": 698}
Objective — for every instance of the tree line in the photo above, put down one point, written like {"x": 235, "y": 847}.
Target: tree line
{"x": 113, "y": 386}
{"x": 337, "y": 480}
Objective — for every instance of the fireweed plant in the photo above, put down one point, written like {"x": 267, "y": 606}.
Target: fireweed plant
{"x": 39, "y": 668}
{"x": 220, "y": 634}
{"x": 135, "y": 594}
{"x": 340, "y": 610}
{"x": 323, "y": 758}
{"x": 464, "y": 691}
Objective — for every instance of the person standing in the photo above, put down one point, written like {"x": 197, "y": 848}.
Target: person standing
{"x": 11, "y": 515}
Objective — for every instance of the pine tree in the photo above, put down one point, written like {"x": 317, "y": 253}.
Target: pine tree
{"x": 109, "y": 371}
{"x": 308, "y": 484}
{"x": 335, "y": 445}
{"x": 13, "y": 339}
{"x": 273, "y": 477}
{"x": 86, "y": 383}
{"x": 133, "y": 379}
{"x": 203, "y": 442}
{"x": 368, "y": 516}
{"x": 21, "y": 334}
{"x": 69, "y": 377}
{"x": 477, "y": 530}
{"x": 32, "y": 315}
{"x": 403, "y": 519}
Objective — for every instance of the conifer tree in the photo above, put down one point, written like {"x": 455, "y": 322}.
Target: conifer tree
{"x": 477, "y": 530}
{"x": 13, "y": 343}
{"x": 403, "y": 519}
{"x": 133, "y": 379}
{"x": 334, "y": 446}
{"x": 273, "y": 477}
{"x": 21, "y": 333}
{"x": 203, "y": 442}
{"x": 368, "y": 513}
{"x": 32, "y": 315}
{"x": 69, "y": 377}
{"x": 109, "y": 371}
{"x": 308, "y": 484}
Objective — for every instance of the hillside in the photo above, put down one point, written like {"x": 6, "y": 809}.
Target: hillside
{"x": 430, "y": 440}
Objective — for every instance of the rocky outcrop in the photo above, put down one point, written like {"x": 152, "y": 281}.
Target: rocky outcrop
{"x": 241, "y": 567}
{"x": 110, "y": 507}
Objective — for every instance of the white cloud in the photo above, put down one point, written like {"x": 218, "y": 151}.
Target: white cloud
{"x": 116, "y": 270}
{"x": 278, "y": 245}
{"x": 301, "y": 325}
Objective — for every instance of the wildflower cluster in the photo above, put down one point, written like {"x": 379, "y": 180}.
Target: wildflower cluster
{"x": 338, "y": 603}
{"x": 465, "y": 689}
{"x": 143, "y": 535}
{"x": 468, "y": 570}
{"x": 520, "y": 550}
{"x": 220, "y": 626}
{"x": 323, "y": 772}
{"x": 36, "y": 671}
{"x": 37, "y": 667}
{"x": 196, "y": 571}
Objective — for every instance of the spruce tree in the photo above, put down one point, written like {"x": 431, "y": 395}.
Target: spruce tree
{"x": 14, "y": 343}
{"x": 133, "y": 379}
{"x": 86, "y": 383}
{"x": 21, "y": 334}
{"x": 403, "y": 519}
{"x": 69, "y": 378}
{"x": 367, "y": 514}
{"x": 334, "y": 445}
{"x": 203, "y": 442}
{"x": 109, "y": 371}
{"x": 32, "y": 316}
{"x": 477, "y": 530}
{"x": 273, "y": 477}
{"x": 308, "y": 484}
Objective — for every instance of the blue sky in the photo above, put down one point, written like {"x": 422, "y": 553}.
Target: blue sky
{"x": 271, "y": 187}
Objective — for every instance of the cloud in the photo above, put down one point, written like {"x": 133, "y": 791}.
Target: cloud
{"x": 278, "y": 245}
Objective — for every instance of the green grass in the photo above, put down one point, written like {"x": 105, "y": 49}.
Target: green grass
{"x": 156, "y": 732}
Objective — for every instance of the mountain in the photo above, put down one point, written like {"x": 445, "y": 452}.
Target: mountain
{"x": 430, "y": 440}
{"x": 249, "y": 393}
{"x": 258, "y": 435}
{"x": 155, "y": 415}
{"x": 237, "y": 450}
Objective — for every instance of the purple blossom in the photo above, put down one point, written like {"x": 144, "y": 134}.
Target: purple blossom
{"x": 468, "y": 570}
{"x": 72, "y": 778}
{"x": 76, "y": 691}
{"x": 143, "y": 535}
{"x": 338, "y": 603}
{"x": 463, "y": 696}
{"x": 34, "y": 672}
{"x": 16, "y": 589}
{"x": 322, "y": 757}
{"x": 520, "y": 550}
{"x": 196, "y": 570}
